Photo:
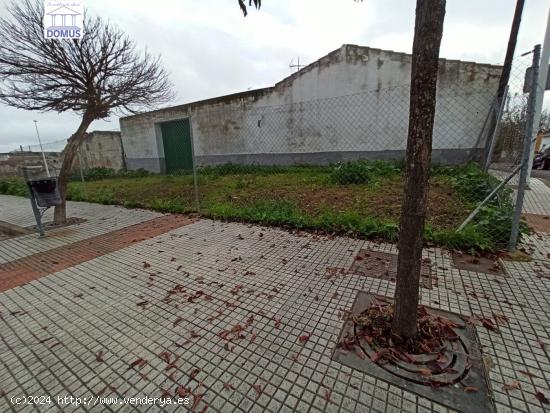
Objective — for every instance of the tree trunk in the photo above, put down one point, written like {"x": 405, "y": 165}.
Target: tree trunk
{"x": 427, "y": 39}
{"x": 60, "y": 212}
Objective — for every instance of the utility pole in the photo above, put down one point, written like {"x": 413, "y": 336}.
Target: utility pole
{"x": 541, "y": 85}
{"x": 506, "y": 69}
{"x": 41, "y": 148}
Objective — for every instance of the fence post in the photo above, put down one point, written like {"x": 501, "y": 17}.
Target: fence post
{"x": 530, "y": 117}
{"x": 195, "y": 179}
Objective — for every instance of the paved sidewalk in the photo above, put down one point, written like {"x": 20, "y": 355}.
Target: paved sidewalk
{"x": 100, "y": 219}
{"x": 154, "y": 317}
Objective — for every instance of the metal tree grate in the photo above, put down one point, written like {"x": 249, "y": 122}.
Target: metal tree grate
{"x": 457, "y": 377}
{"x": 468, "y": 262}
{"x": 383, "y": 265}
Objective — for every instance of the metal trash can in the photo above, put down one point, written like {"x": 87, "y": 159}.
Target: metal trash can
{"x": 45, "y": 192}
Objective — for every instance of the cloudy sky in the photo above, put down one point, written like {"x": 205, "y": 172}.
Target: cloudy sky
{"x": 211, "y": 50}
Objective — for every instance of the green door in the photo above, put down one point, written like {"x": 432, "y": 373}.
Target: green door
{"x": 176, "y": 138}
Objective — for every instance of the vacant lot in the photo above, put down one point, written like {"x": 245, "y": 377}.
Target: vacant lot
{"x": 360, "y": 198}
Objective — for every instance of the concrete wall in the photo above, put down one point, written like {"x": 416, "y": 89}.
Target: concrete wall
{"x": 101, "y": 149}
{"x": 352, "y": 103}
{"x": 10, "y": 164}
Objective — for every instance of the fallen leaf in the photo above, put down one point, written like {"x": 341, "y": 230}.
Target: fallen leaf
{"x": 165, "y": 356}
{"x": 514, "y": 385}
{"x": 425, "y": 372}
{"x": 304, "y": 338}
{"x": 541, "y": 398}
{"x": 527, "y": 373}
{"x": 471, "y": 389}
{"x": 99, "y": 356}
{"x": 196, "y": 400}
{"x": 177, "y": 321}
{"x": 194, "y": 373}
{"x": 228, "y": 386}
{"x": 146, "y": 264}
{"x": 140, "y": 362}
{"x": 488, "y": 324}
{"x": 327, "y": 395}
{"x": 182, "y": 391}
{"x": 258, "y": 389}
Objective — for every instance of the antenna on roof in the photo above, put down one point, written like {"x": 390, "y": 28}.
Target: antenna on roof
{"x": 297, "y": 67}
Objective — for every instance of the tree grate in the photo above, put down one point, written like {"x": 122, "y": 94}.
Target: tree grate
{"x": 472, "y": 263}
{"x": 375, "y": 264}
{"x": 455, "y": 378}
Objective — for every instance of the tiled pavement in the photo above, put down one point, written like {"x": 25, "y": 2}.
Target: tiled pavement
{"x": 100, "y": 219}
{"x": 172, "y": 300}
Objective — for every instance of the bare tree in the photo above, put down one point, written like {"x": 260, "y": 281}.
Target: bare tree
{"x": 255, "y": 3}
{"x": 428, "y": 30}
{"x": 95, "y": 76}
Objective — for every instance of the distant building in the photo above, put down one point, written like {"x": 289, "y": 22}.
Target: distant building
{"x": 352, "y": 103}
{"x": 99, "y": 149}
{"x": 102, "y": 149}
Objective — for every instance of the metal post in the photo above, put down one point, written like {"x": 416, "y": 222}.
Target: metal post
{"x": 543, "y": 74}
{"x": 530, "y": 117}
{"x": 36, "y": 213}
{"x": 496, "y": 130}
{"x": 195, "y": 178}
{"x": 27, "y": 176}
{"x": 41, "y": 148}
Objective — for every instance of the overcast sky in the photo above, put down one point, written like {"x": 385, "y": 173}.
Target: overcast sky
{"x": 211, "y": 50}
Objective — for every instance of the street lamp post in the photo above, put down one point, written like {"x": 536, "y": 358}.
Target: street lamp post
{"x": 41, "y": 148}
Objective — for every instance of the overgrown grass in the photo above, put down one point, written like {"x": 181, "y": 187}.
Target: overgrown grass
{"x": 360, "y": 198}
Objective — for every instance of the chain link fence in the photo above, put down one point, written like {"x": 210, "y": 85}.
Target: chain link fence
{"x": 510, "y": 133}
{"x": 100, "y": 155}
{"x": 336, "y": 164}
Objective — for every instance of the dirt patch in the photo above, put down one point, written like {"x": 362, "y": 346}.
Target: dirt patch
{"x": 381, "y": 200}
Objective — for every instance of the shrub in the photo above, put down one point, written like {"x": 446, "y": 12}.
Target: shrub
{"x": 363, "y": 171}
{"x": 14, "y": 186}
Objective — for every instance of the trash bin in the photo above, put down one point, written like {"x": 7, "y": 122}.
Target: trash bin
{"x": 45, "y": 192}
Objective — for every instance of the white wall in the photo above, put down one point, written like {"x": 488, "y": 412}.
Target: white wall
{"x": 353, "y": 102}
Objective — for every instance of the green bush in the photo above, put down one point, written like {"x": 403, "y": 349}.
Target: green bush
{"x": 14, "y": 186}
{"x": 98, "y": 174}
{"x": 363, "y": 171}
{"x": 238, "y": 169}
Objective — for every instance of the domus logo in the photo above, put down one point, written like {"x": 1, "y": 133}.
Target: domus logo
{"x": 63, "y": 19}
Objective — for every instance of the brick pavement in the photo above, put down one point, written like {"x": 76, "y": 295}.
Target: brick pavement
{"x": 32, "y": 267}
